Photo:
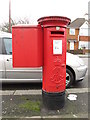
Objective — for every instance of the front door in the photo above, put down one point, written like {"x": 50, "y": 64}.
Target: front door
{"x": 72, "y": 45}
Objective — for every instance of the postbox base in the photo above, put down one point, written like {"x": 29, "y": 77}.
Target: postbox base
{"x": 53, "y": 101}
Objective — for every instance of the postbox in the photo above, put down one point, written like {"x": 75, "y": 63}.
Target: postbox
{"x": 54, "y": 67}
{"x": 27, "y": 46}
{"x": 44, "y": 45}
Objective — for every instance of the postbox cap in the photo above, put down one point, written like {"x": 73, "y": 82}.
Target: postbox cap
{"x": 54, "y": 21}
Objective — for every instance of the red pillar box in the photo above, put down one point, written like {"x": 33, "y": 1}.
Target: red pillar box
{"x": 54, "y": 68}
{"x": 27, "y": 46}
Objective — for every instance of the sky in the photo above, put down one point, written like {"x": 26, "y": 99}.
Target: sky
{"x": 34, "y": 9}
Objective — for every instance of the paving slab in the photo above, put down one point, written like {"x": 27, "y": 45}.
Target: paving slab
{"x": 31, "y": 107}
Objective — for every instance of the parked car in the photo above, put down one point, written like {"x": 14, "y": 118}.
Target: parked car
{"x": 75, "y": 68}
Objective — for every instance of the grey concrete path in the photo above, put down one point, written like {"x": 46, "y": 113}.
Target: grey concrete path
{"x": 27, "y": 104}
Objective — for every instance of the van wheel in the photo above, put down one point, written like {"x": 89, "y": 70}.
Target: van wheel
{"x": 69, "y": 78}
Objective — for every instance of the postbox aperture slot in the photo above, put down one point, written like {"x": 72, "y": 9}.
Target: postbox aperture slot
{"x": 57, "y": 32}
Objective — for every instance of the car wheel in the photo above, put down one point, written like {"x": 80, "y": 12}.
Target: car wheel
{"x": 69, "y": 78}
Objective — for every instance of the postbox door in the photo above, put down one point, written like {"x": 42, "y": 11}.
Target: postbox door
{"x": 54, "y": 60}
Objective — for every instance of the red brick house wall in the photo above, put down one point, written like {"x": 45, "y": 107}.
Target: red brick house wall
{"x": 72, "y": 37}
{"x": 84, "y": 38}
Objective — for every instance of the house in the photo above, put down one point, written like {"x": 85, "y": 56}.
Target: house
{"x": 77, "y": 35}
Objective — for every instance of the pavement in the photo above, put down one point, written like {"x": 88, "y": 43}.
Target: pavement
{"x": 84, "y": 55}
{"x": 27, "y": 104}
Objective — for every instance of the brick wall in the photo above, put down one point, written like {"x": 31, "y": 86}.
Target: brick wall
{"x": 84, "y": 38}
{"x": 72, "y": 37}
{"x": 75, "y": 37}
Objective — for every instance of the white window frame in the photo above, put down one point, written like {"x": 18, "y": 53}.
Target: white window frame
{"x": 85, "y": 44}
{"x": 72, "y": 31}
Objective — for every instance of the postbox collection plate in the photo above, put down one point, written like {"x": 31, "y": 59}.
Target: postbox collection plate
{"x": 57, "y": 47}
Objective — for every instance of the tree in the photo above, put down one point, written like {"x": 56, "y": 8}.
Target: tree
{"x": 5, "y": 26}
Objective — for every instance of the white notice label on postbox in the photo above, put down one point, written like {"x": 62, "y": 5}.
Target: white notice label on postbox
{"x": 57, "y": 46}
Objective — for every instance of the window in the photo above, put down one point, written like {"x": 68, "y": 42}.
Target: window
{"x": 83, "y": 32}
{"x": 83, "y": 44}
{"x": 72, "y": 31}
{"x": 8, "y": 45}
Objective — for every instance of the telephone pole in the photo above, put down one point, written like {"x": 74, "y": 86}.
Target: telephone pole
{"x": 10, "y": 16}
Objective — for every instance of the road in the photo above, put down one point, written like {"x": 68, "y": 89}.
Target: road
{"x": 81, "y": 84}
